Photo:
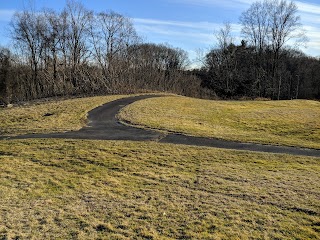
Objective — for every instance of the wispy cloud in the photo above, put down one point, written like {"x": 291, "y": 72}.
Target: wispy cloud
{"x": 310, "y": 17}
{"x": 192, "y": 35}
{"x": 308, "y": 7}
{"x": 309, "y": 12}
{"x": 176, "y": 31}
{"x": 212, "y": 2}
{"x": 228, "y": 4}
{"x": 198, "y": 32}
{"x": 302, "y": 6}
{"x": 187, "y": 35}
{"x": 183, "y": 24}
{"x": 313, "y": 45}
{"x": 6, "y": 14}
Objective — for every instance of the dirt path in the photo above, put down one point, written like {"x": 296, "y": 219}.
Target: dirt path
{"x": 103, "y": 125}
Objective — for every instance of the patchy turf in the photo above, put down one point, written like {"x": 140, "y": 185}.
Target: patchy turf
{"x": 82, "y": 189}
{"x": 53, "y": 116}
{"x": 68, "y": 189}
{"x": 291, "y": 123}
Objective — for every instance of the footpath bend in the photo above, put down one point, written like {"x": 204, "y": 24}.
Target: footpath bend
{"x": 104, "y": 125}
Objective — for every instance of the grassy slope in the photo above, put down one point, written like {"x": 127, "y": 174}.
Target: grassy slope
{"x": 65, "y": 189}
{"x": 293, "y": 123}
{"x": 67, "y": 115}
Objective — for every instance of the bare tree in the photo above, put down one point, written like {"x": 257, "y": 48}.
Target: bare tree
{"x": 222, "y": 59}
{"x": 77, "y": 21}
{"x": 52, "y": 39}
{"x": 284, "y": 26}
{"x": 255, "y": 25}
{"x": 5, "y": 78}
{"x": 268, "y": 25}
{"x": 27, "y": 28}
{"x": 159, "y": 67}
{"x": 224, "y": 37}
{"x": 255, "y": 29}
{"x": 111, "y": 36}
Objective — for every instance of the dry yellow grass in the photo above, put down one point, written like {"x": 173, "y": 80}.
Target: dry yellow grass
{"x": 81, "y": 189}
{"x": 67, "y": 189}
{"x": 66, "y": 115}
{"x": 293, "y": 123}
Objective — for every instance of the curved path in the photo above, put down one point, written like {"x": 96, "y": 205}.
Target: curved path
{"x": 104, "y": 125}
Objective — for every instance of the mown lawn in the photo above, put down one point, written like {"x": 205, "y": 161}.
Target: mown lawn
{"x": 51, "y": 116}
{"x": 292, "y": 123}
{"x": 68, "y": 189}
{"x": 81, "y": 189}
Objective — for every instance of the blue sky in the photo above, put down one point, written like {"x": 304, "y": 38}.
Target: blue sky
{"x": 188, "y": 24}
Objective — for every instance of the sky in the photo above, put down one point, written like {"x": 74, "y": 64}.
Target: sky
{"x": 187, "y": 24}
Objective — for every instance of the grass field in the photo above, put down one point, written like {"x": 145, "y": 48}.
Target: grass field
{"x": 63, "y": 116}
{"x": 68, "y": 189}
{"x": 292, "y": 123}
{"x": 81, "y": 189}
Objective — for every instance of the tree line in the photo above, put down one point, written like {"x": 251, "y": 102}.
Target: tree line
{"x": 262, "y": 65}
{"x": 77, "y": 51}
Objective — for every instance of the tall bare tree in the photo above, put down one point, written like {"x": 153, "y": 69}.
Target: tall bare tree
{"x": 77, "y": 20}
{"x": 111, "y": 36}
{"x": 268, "y": 25}
{"x": 255, "y": 25}
{"x": 27, "y": 28}
{"x": 284, "y": 26}
{"x": 52, "y": 38}
{"x": 5, "y": 78}
{"x": 255, "y": 29}
{"x": 221, "y": 60}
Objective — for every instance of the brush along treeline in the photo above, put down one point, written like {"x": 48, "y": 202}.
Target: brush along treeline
{"x": 77, "y": 51}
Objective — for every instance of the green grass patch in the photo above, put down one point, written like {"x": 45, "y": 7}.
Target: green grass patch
{"x": 68, "y": 189}
{"x": 292, "y": 123}
{"x": 53, "y": 116}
